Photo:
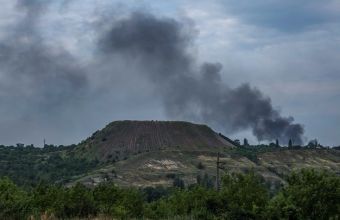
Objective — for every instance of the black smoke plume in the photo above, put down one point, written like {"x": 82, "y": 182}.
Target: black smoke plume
{"x": 191, "y": 91}
{"x": 45, "y": 91}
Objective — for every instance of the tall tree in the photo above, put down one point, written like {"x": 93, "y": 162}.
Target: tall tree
{"x": 245, "y": 142}
{"x": 290, "y": 143}
{"x": 245, "y": 194}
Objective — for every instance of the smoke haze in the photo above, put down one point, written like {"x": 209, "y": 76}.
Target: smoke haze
{"x": 44, "y": 85}
{"x": 161, "y": 47}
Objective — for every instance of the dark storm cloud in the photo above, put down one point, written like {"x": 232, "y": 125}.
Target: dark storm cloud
{"x": 288, "y": 15}
{"x": 32, "y": 7}
{"x": 145, "y": 37}
{"x": 188, "y": 90}
{"x": 40, "y": 83}
{"x": 48, "y": 76}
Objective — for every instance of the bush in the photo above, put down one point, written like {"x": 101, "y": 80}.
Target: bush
{"x": 14, "y": 202}
{"x": 310, "y": 194}
{"x": 245, "y": 195}
{"x": 200, "y": 166}
{"x": 80, "y": 202}
{"x": 178, "y": 182}
{"x": 196, "y": 203}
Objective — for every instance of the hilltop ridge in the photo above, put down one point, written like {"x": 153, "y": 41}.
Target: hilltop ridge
{"x": 121, "y": 138}
{"x": 156, "y": 153}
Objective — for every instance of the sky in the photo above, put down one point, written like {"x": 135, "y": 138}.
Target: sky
{"x": 249, "y": 69}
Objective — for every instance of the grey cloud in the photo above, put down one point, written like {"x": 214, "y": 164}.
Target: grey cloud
{"x": 144, "y": 37}
{"x": 288, "y": 15}
{"x": 38, "y": 82}
{"x": 51, "y": 74}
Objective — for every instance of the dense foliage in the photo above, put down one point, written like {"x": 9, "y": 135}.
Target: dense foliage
{"x": 308, "y": 194}
{"x": 29, "y": 165}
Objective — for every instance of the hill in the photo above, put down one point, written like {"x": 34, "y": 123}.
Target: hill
{"x": 153, "y": 153}
{"x": 120, "y": 139}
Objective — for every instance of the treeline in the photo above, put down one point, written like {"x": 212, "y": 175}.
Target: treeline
{"x": 312, "y": 144}
{"x": 253, "y": 151}
{"x": 308, "y": 194}
{"x": 29, "y": 165}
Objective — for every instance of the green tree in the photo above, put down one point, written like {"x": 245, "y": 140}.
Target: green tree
{"x": 194, "y": 203}
{"x": 48, "y": 198}
{"x": 310, "y": 194}
{"x": 290, "y": 143}
{"x": 155, "y": 193}
{"x": 200, "y": 166}
{"x": 130, "y": 205}
{"x": 106, "y": 196}
{"x": 277, "y": 143}
{"x": 205, "y": 181}
{"x": 178, "y": 182}
{"x": 14, "y": 202}
{"x": 80, "y": 202}
{"x": 245, "y": 195}
{"x": 245, "y": 142}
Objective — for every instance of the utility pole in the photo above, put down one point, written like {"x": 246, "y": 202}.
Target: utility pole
{"x": 218, "y": 172}
{"x": 44, "y": 142}
{"x": 218, "y": 167}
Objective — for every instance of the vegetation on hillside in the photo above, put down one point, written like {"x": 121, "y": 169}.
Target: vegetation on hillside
{"x": 252, "y": 151}
{"x": 308, "y": 194}
{"x": 30, "y": 165}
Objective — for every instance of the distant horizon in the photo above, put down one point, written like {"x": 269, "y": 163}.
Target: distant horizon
{"x": 251, "y": 142}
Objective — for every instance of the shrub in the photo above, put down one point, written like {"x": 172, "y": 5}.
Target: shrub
{"x": 310, "y": 194}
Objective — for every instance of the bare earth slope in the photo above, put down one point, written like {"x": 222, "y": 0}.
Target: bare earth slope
{"x": 160, "y": 167}
{"x": 120, "y": 139}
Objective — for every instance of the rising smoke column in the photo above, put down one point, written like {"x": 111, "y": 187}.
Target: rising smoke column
{"x": 189, "y": 90}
